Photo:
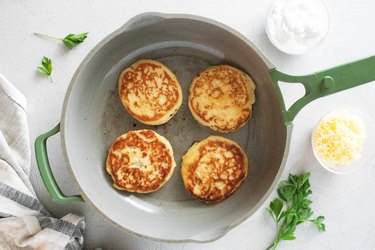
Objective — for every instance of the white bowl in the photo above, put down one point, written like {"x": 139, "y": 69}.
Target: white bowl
{"x": 285, "y": 43}
{"x": 367, "y": 153}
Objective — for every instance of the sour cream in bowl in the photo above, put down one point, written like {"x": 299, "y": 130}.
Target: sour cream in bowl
{"x": 295, "y": 26}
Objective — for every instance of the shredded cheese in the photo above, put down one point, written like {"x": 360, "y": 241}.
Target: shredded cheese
{"x": 339, "y": 138}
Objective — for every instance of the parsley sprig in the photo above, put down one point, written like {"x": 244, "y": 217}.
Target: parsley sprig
{"x": 46, "y": 68}
{"x": 292, "y": 193}
{"x": 70, "y": 40}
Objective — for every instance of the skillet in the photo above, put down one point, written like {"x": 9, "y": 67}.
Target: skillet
{"x": 92, "y": 117}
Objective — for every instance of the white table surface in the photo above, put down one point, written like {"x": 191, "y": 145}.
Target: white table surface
{"x": 348, "y": 202}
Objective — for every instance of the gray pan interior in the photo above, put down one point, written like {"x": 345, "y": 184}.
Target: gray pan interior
{"x": 93, "y": 117}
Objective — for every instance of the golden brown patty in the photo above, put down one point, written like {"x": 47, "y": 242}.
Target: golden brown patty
{"x": 140, "y": 161}
{"x": 214, "y": 168}
{"x": 150, "y": 92}
{"x": 221, "y": 98}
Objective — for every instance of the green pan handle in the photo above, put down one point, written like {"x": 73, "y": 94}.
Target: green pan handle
{"x": 45, "y": 169}
{"x": 324, "y": 83}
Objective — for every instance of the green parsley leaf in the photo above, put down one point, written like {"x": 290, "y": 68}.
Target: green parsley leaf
{"x": 287, "y": 233}
{"x": 70, "y": 40}
{"x": 319, "y": 223}
{"x": 286, "y": 191}
{"x": 43, "y": 71}
{"x": 275, "y": 208}
{"x": 302, "y": 179}
{"x": 46, "y": 68}
{"x": 293, "y": 196}
{"x": 73, "y": 40}
{"x": 289, "y": 237}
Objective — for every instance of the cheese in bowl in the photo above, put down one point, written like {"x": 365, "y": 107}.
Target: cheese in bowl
{"x": 339, "y": 139}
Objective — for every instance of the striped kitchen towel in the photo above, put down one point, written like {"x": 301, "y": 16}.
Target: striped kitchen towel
{"x": 24, "y": 222}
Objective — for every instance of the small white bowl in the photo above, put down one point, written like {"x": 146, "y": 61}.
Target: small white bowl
{"x": 286, "y": 43}
{"x": 367, "y": 153}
